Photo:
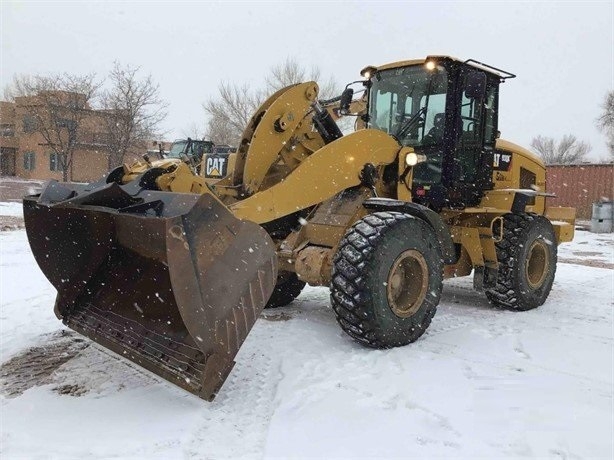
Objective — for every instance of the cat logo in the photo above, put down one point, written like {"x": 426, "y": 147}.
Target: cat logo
{"x": 502, "y": 161}
{"x": 215, "y": 166}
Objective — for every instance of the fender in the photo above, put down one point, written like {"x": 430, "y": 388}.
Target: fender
{"x": 448, "y": 249}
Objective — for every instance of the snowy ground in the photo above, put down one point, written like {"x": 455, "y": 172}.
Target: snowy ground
{"x": 11, "y": 209}
{"x": 481, "y": 382}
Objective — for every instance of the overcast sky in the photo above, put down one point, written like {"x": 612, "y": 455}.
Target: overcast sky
{"x": 562, "y": 52}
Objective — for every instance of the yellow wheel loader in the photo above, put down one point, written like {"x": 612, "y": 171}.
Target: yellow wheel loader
{"x": 171, "y": 270}
{"x": 190, "y": 151}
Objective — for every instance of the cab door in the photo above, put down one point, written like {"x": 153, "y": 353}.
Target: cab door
{"x": 472, "y": 159}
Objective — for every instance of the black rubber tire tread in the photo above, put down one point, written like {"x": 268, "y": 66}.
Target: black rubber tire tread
{"x": 512, "y": 290}
{"x": 287, "y": 289}
{"x": 354, "y": 280}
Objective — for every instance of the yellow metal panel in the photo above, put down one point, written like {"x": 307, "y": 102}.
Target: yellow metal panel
{"x": 181, "y": 180}
{"x": 139, "y": 167}
{"x": 489, "y": 251}
{"x": 563, "y": 220}
{"x": 394, "y": 65}
{"x": 521, "y": 158}
{"x": 502, "y": 144}
{"x": 561, "y": 213}
{"x": 469, "y": 238}
{"x": 274, "y": 130}
{"x": 333, "y": 168}
{"x": 564, "y": 232}
{"x": 501, "y": 200}
{"x": 479, "y": 244}
{"x": 397, "y": 64}
{"x": 236, "y": 178}
{"x": 333, "y": 217}
{"x": 328, "y": 235}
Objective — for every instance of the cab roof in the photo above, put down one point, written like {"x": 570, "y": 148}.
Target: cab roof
{"x": 472, "y": 62}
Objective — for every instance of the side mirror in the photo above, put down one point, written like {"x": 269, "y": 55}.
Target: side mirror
{"x": 346, "y": 100}
{"x": 475, "y": 87}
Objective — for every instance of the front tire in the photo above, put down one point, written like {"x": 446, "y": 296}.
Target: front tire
{"x": 387, "y": 279}
{"x": 527, "y": 256}
{"x": 287, "y": 289}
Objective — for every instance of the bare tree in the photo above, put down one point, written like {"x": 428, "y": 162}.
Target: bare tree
{"x": 133, "y": 111}
{"x": 605, "y": 122}
{"x": 290, "y": 72}
{"x": 56, "y": 110}
{"x": 568, "y": 150}
{"x": 220, "y": 131}
{"x": 20, "y": 86}
{"x": 232, "y": 109}
{"x": 194, "y": 130}
{"x": 230, "y": 112}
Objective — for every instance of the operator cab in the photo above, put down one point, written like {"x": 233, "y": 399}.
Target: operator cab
{"x": 193, "y": 150}
{"x": 447, "y": 111}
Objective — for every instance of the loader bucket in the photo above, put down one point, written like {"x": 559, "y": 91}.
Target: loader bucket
{"x": 173, "y": 282}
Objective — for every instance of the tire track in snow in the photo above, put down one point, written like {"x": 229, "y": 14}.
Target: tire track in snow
{"x": 510, "y": 364}
{"x": 446, "y": 322}
{"x": 239, "y": 417}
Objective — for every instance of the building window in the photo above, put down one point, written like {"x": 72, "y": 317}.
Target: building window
{"x": 7, "y": 130}
{"x": 54, "y": 162}
{"x": 29, "y": 124}
{"x": 29, "y": 161}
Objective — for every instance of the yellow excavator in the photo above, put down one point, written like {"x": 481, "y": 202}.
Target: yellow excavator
{"x": 171, "y": 269}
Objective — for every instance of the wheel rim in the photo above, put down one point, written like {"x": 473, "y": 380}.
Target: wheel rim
{"x": 407, "y": 283}
{"x": 537, "y": 265}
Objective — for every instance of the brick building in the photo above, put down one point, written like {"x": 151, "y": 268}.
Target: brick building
{"x": 25, "y": 153}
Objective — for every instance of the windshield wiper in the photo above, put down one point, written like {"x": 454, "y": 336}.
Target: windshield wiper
{"x": 409, "y": 123}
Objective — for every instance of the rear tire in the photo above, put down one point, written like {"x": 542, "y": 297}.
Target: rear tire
{"x": 370, "y": 294}
{"x": 287, "y": 289}
{"x": 527, "y": 257}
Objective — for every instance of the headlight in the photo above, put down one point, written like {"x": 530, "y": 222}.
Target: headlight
{"x": 412, "y": 159}
{"x": 368, "y": 72}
